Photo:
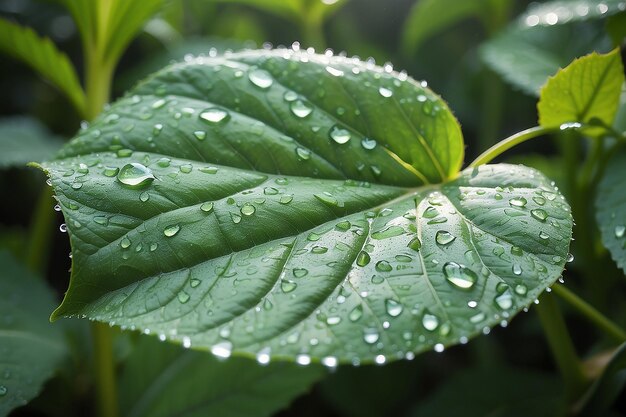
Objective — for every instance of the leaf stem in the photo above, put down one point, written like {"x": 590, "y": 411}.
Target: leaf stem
{"x": 105, "y": 369}
{"x": 510, "y": 142}
{"x": 40, "y": 233}
{"x": 594, "y": 316}
{"x": 562, "y": 347}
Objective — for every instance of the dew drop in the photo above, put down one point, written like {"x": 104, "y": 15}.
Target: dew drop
{"x": 539, "y": 214}
{"x": 444, "y": 238}
{"x": 363, "y": 258}
{"x": 517, "y": 202}
{"x": 183, "y": 297}
{"x": 200, "y": 134}
{"x": 394, "y": 308}
{"x": 459, "y": 275}
{"x": 356, "y": 313}
{"x": 207, "y": 207}
{"x": 214, "y": 115}
{"x": 135, "y": 175}
{"x": 391, "y": 231}
{"x": 343, "y": 225}
{"x": 300, "y": 272}
{"x": 235, "y": 218}
{"x": 520, "y": 289}
{"x": 125, "y": 243}
{"x": 368, "y": 143}
{"x": 300, "y": 109}
{"x": 383, "y": 266}
{"x": 415, "y": 244}
{"x": 619, "y": 231}
{"x": 517, "y": 269}
{"x": 370, "y": 335}
{"x": 430, "y": 321}
{"x": 303, "y": 154}
{"x": 287, "y": 286}
{"x": 339, "y": 135}
{"x": 110, "y": 171}
{"x": 247, "y": 209}
{"x": 260, "y": 78}
{"x": 222, "y": 349}
{"x": 170, "y": 231}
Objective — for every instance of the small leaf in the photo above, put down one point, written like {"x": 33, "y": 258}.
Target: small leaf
{"x": 495, "y": 393}
{"x": 31, "y": 348}
{"x": 588, "y": 88}
{"x": 40, "y": 53}
{"x": 300, "y": 204}
{"x": 611, "y": 209}
{"x": 24, "y": 139}
{"x": 606, "y": 389}
{"x": 161, "y": 380}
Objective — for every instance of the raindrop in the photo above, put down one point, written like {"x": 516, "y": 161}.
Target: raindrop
{"x": 125, "y": 243}
{"x": 3, "y": 390}
{"x": 504, "y": 299}
{"x": 393, "y": 307}
{"x": 430, "y": 213}
{"x": 356, "y": 313}
{"x": 222, "y": 349}
{"x": 270, "y": 191}
{"x": 303, "y": 359}
{"x": 206, "y": 207}
{"x": 517, "y": 269}
{"x": 135, "y": 175}
{"x": 200, "y": 134}
{"x": 368, "y": 143}
{"x": 430, "y": 321}
{"x": 286, "y": 199}
{"x": 543, "y": 235}
{"x": 247, "y": 209}
{"x": 303, "y": 154}
{"x": 260, "y": 78}
{"x": 287, "y": 286}
{"x": 415, "y": 244}
{"x": 520, "y": 289}
{"x": 539, "y": 214}
{"x": 370, "y": 335}
{"x": 517, "y": 202}
{"x": 363, "y": 258}
{"x": 619, "y": 231}
{"x": 235, "y": 218}
{"x": 300, "y": 272}
{"x": 459, "y": 275}
{"x": 319, "y": 250}
{"x": 339, "y": 135}
{"x": 63, "y": 228}
{"x": 385, "y": 92}
{"x": 300, "y": 109}
{"x": 144, "y": 197}
{"x": 383, "y": 266}
{"x": 110, "y": 171}
{"x": 170, "y": 231}
{"x": 444, "y": 238}
{"x": 263, "y": 357}
{"x": 214, "y": 115}
{"x": 343, "y": 225}
{"x": 391, "y": 231}
{"x": 183, "y": 297}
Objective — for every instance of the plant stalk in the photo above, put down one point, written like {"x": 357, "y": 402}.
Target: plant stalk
{"x": 37, "y": 253}
{"x": 105, "y": 370}
{"x": 562, "y": 348}
{"x": 590, "y": 313}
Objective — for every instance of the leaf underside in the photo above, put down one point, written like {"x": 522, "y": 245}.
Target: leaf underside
{"x": 261, "y": 234}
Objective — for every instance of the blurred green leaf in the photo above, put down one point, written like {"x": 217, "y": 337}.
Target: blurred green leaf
{"x": 527, "y": 57}
{"x": 163, "y": 380}
{"x": 287, "y": 9}
{"x": 606, "y": 389}
{"x": 588, "y": 88}
{"x": 561, "y": 12}
{"x": 611, "y": 208}
{"x": 371, "y": 391}
{"x": 494, "y": 392}
{"x": 31, "y": 348}
{"x": 41, "y": 54}
{"x": 24, "y": 140}
{"x": 428, "y": 17}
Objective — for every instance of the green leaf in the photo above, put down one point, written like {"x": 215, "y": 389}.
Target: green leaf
{"x": 285, "y": 201}
{"x": 287, "y": 9}
{"x": 24, "y": 139}
{"x": 526, "y": 58}
{"x": 611, "y": 209}
{"x": 31, "y": 348}
{"x": 495, "y": 392}
{"x": 561, "y": 12}
{"x": 40, "y": 53}
{"x": 428, "y": 17}
{"x": 160, "y": 379}
{"x": 588, "y": 88}
{"x": 606, "y": 389}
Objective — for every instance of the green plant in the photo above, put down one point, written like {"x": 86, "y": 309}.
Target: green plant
{"x": 299, "y": 209}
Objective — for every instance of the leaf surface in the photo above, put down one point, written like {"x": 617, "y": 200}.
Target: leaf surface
{"x": 42, "y": 55}
{"x": 161, "y": 380}
{"x": 284, "y": 203}
{"x": 31, "y": 348}
{"x": 611, "y": 209}
{"x": 24, "y": 139}
{"x": 588, "y": 88}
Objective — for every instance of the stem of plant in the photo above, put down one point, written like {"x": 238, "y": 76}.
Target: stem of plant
{"x": 506, "y": 144}
{"x": 594, "y": 316}
{"x": 105, "y": 369}
{"x": 40, "y": 232}
{"x": 562, "y": 347}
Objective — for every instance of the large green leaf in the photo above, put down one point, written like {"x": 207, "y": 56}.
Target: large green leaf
{"x": 588, "y": 88}
{"x": 40, "y": 53}
{"x": 30, "y": 348}
{"x": 495, "y": 392}
{"x": 160, "y": 379}
{"x": 611, "y": 209}
{"x": 289, "y": 206}
{"x": 24, "y": 139}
